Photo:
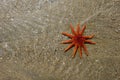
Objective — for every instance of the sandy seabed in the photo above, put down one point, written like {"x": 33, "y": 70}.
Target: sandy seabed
{"x": 30, "y": 36}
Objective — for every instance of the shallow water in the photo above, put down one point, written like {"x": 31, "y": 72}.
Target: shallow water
{"x": 30, "y": 36}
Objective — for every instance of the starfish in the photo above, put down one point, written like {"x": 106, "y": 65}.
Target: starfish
{"x": 78, "y": 40}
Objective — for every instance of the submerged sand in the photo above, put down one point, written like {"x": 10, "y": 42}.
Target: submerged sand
{"x": 30, "y": 36}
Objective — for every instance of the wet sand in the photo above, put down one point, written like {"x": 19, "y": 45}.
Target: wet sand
{"x": 30, "y": 36}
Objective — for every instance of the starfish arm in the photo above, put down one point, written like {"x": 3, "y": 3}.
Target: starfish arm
{"x": 83, "y": 29}
{"x": 80, "y": 51}
{"x": 72, "y": 29}
{"x": 78, "y": 28}
{"x": 67, "y": 41}
{"x": 89, "y": 37}
{"x": 70, "y": 46}
{"x": 88, "y": 41}
{"x": 75, "y": 50}
{"x": 66, "y": 34}
{"x": 85, "y": 49}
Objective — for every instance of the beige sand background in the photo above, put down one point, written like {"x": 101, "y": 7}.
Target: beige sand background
{"x": 30, "y": 36}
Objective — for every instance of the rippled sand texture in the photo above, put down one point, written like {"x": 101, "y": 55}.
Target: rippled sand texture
{"x": 30, "y": 36}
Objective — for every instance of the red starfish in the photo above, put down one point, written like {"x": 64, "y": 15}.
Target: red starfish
{"x": 77, "y": 40}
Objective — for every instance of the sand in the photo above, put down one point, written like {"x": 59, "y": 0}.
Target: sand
{"x": 30, "y": 36}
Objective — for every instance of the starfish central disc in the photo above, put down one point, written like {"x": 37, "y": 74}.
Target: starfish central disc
{"x": 79, "y": 40}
